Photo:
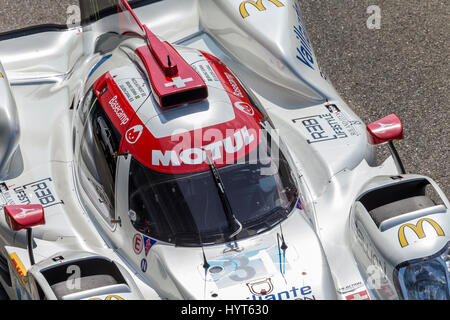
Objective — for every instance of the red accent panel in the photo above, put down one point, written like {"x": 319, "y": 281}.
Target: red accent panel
{"x": 183, "y": 152}
{"x": 185, "y": 87}
{"x": 21, "y": 217}
{"x": 384, "y": 130}
{"x": 114, "y": 102}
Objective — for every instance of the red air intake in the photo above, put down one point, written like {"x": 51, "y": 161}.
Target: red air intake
{"x": 174, "y": 82}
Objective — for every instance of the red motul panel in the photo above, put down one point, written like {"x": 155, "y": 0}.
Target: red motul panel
{"x": 384, "y": 130}
{"x": 185, "y": 151}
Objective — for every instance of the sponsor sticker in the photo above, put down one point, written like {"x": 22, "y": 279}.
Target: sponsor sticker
{"x": 148, "y": 244}
{"x": 258, "y": 4}
{"x": 138, "y": 243}
{"x": 362, "y": 295}
{"x": 245, "y": 107}
{"x": 133, "y": 134}
{"x": 327, "y": 127}
{"x": 40, "y": 191}
{"x": 304, "y": 48}
{"x": 418, "y": 231}
{"x": 115, "y": 106}
{"x": 350, "y": 287}
{"x": 144, "y": 265}
{"x": 246, "y": 267}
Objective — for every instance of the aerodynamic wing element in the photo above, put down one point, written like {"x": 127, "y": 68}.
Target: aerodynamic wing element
{"x": 174, "y": 82}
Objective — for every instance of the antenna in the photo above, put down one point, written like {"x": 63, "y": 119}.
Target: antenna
{"x": 282, "y": 247}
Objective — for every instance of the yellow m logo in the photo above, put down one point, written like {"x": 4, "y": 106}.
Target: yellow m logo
{"x": 418, "y": 230}
{"x": 258, "y": 4}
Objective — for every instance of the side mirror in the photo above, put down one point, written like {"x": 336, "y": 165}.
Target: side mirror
{"x": 388, "y": 129}
{"x": 21, "y": 217}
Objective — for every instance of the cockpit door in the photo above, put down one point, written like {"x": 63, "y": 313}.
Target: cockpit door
{"x": 122, "y": 176}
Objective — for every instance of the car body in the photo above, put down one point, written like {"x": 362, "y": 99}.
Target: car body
{"x": 93, "y": 119}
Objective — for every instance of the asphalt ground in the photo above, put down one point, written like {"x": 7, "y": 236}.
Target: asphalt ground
{"x": 402, "y": 67}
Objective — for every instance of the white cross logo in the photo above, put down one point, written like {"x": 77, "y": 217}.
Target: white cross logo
{"x": 383, "y": 127}
{"x": 178, "y": 82}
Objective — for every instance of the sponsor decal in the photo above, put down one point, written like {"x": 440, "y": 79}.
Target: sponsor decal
{"x": 144, "y": 265}
{"x": 299, "y": 205}
{"x": 134, "y": 90}
{"x": 327, "y": 127}
{"x": 115, "y": 106}
{"x": 148, "y": 244}
{"x": 322, "y": 128}
{"x": 138, "y": 243}
{"x": 236, "y": 89}
{"x": 348, "y": 124}
{"x": 245, "y": 108}
{"x": 20, "y": 274}
{"x": 362, "y": 295}
{"x": 258, "y": 5}
{"x": 304, "y": 49}
{"x": 203, "y": 68}
{"x": 196, "y": 156}
{"x": 350, "y": 287}
{"x": 20, "y": 269}
{"x": 38, "y": 191}
{"x": 133, "y": 134}
{"x": 418, "y": 230}
{"x": 247, "y": 267}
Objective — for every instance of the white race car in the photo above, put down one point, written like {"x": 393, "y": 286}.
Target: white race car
{"x": 219, "y": 164}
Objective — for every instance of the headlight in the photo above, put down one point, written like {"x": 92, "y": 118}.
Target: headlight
{"x": 427, "y": 279}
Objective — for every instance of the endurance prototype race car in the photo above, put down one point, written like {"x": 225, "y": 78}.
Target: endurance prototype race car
{"x": 219, "y": 164}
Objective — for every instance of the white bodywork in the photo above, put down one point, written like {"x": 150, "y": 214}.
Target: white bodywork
{"x": 46, "y": 72}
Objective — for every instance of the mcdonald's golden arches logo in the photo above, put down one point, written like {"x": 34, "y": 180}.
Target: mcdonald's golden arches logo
{"x": 257, "y": 4}
{"x": 418, "y": 230}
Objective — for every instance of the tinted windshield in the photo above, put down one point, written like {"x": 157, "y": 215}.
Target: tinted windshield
{"x": 184, "y": 209}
